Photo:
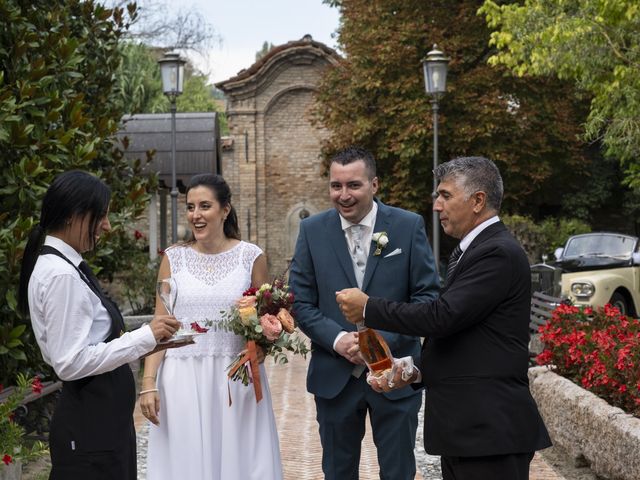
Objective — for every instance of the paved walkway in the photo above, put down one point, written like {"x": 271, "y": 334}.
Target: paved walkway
{"x": 299, "y": 441}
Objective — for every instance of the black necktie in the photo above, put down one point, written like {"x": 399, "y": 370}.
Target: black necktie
{"x": 453, "y": 262}
{"x": 112, "y": 309}
{"x": 93, "y": 281}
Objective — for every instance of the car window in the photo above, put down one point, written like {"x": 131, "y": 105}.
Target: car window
{"x": 600, "y": 245}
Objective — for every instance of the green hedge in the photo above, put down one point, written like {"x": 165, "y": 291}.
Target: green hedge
{"x": 544, "y": 237}
{"x": 58, "y": 60}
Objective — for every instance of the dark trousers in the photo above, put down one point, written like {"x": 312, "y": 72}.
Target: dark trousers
{"x": 342, "y": 427}
{"x": 495, "y": 467}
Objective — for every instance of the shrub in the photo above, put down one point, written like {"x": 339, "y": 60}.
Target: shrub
{"x": 598, "y": 349}
{"x": 12, "y": 442}
{"x": 139, "y": 277}
{"x": 544, "y": 237}
{"x": 58, "y": 111}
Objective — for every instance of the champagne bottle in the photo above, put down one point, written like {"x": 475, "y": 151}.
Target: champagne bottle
{"x": 374, "y": 350}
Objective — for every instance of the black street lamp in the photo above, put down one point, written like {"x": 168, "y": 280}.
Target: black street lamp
{"x": 435, "y": 82}
{"x": 172, "y": 71}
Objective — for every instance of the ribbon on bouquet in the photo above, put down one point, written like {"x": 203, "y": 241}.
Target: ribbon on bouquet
{"x": 251, "y": 356}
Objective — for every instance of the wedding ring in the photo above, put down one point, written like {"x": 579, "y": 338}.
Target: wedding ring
{"x": 391, "y": 383}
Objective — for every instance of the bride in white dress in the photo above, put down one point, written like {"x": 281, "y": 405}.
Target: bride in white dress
{"x": 195, "y": 434}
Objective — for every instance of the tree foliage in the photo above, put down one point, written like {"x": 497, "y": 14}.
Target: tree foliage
{"x": 58, "y": 111}
{"x": 594, "y": 43}
{"x": 375, "y": 97}
{"x": 266, "y": 48}
{"x": 140, "y": 84}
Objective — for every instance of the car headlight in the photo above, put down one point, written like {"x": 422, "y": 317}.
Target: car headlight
{"x": 583, "y": 289}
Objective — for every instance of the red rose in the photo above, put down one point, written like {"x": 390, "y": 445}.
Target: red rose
{"x": 7, "y": 459}
{"x": 138, "y": 234}
{"x": 250, "y": 292}
{"x": 197, "y": 328}
{"x": 36, "y": 386}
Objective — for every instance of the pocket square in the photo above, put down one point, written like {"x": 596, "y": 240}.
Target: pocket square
{"x": 397, "y": 251}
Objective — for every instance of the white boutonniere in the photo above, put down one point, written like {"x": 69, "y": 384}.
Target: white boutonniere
{"x": 381, "y": 240}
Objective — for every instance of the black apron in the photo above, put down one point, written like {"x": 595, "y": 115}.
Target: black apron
{"x": 92, "y": 433}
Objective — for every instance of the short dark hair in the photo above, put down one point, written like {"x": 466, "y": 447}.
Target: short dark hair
{"x": 72, "y": 193}
{"x": 220, "y": 188}
{"x": 474, "y": 174}
{"x": 353, "y": 154}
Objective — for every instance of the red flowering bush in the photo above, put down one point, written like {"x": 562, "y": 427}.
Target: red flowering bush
{"x": 12, "y": 444}
{"x": 598, "y": 349}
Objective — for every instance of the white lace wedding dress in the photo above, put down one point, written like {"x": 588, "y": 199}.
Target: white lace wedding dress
{"x": 200, "y": 436}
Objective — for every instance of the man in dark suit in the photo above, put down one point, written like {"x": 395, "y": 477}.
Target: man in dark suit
{"x": 335, "y": 251}
{"x": 480, "y": 416}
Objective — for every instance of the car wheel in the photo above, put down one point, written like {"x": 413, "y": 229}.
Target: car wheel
{"x": 618, "y": 300}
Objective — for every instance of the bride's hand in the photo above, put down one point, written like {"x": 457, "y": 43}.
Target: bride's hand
{"x": 150, "y": 402}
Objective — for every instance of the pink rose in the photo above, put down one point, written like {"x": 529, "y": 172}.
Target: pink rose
{"x": 271, "y": 327}
{"x": 248, "y": 301}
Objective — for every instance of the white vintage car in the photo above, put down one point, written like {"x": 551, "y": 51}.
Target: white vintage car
{"x": 595, "y": 269}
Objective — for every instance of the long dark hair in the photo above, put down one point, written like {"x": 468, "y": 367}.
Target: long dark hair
{"x": 73, "y": 193}
{"x": 222, "y": 192}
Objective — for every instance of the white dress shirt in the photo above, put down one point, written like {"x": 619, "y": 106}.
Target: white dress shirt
{"x": 368, "y": 222}
{"x": 71, "y": 324}
{"x": 470, "y": 237}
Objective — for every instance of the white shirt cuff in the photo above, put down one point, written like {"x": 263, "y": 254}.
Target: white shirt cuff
{"x": 338, "y": 337}
{"x": 143, "y": 339}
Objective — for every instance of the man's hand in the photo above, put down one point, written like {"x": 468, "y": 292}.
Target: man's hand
{"x": 394, "y": 379}
{"x": 348, "y": 347}
{"x": 164, "y": 326}
{"x": 352, "y": 302}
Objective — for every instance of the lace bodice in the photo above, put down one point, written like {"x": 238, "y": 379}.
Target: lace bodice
{"x": 207, "y": 285}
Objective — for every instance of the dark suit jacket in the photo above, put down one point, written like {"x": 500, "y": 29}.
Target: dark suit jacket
{"x": 475, "y": 356}
{"x": 322, "y": 265}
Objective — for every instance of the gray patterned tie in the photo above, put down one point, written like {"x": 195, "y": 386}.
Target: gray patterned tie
{"x": 360, "y": 263}
{"x": 359, "y": 257}
{"x": 453, "y": 262}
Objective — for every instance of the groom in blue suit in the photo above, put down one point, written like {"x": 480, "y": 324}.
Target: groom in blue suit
{"x": 335, "y": 250}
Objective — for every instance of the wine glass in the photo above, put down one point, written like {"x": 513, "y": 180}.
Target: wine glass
{"x": 168, "y": 292}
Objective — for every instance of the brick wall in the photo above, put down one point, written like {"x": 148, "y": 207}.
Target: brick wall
{"x": 272, "y": 159}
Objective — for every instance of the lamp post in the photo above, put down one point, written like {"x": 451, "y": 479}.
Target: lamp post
{"x": 172, "y": 71}
{"x": 434, "y": 66}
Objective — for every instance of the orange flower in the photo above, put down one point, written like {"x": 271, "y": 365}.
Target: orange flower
{"x": 247, "y": 301}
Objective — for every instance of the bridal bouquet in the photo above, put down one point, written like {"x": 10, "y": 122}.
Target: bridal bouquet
{"x": 263, "y": 317}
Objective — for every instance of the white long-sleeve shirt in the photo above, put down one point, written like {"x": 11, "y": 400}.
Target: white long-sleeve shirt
{"x": 71, "y": 324}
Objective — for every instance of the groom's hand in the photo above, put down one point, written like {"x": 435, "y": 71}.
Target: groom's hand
{"x": 348, "y": 347}
{"x": 352, "y": 302}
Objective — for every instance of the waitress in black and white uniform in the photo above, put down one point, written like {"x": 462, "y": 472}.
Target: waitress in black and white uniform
{"x": 80, "y": 332}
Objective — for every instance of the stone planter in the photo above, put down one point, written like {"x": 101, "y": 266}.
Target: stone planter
{"x": 13, "y": 471}
{"x": 586, "y": 427}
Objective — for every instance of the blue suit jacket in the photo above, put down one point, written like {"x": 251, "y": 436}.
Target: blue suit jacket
{"x": 322, "y": 265}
